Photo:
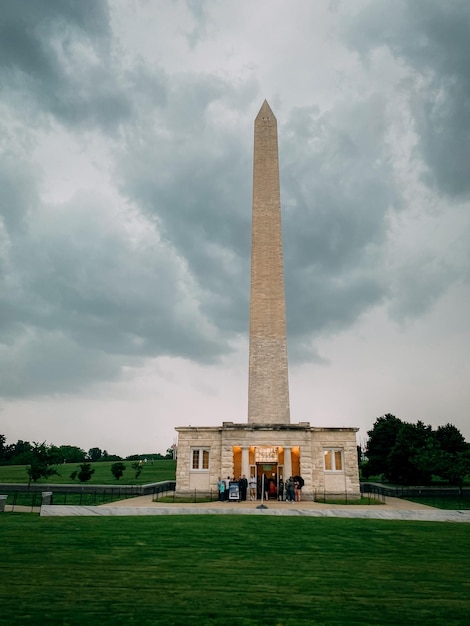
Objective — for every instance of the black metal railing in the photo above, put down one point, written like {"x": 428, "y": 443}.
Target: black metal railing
{"x": 20, "y": 498}
{"x": 441, "y": 497}
{"x": 193, "y": 496}
{"x": 370, "y": 497}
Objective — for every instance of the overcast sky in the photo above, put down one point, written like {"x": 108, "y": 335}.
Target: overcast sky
{"x": 126, "y": 142}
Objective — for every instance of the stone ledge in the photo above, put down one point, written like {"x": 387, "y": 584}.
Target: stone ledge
{"x": 350, "y": 512}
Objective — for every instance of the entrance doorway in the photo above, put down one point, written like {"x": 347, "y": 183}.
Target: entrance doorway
{"x": 270, "y": 473}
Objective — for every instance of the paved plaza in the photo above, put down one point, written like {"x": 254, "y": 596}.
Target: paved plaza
{"x": 393, "y": 508}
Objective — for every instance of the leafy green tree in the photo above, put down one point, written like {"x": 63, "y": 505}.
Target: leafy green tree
{"x": 110, "y": 457}
{"x": 403, "y": 461}
{"x": 85, "y": 473}
{"x": 448, "y": 455}
{"x": 118, "y": 469}
{"x": 457, "y": 468}
{"x": 72, "y": 454}
{"x": 137, "y": 467}
{"x": 94, "y": 454}
{"x": 41, "y": 463}
{"x": 3, "y": 448}
{"x": 67, "y": 454}
{"x": 19, "y": 453}
{"x": 407, "y": 453}
{"x": 450, "y": 439}
{"x": 382, "y": 438}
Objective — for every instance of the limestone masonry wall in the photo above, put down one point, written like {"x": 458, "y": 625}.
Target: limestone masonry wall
{"x": 224, "y": 444}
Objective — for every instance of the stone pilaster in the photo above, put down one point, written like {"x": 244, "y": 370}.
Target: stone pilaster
{"x": 245, "y": 460}
{"x": 287, "y": 462}
{"x": 227, "y": 456}
{"x": 306, "y": 469}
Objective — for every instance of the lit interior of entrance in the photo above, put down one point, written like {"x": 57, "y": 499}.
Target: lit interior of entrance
{"x": 268, "y": 471}
{"x": 268, "y": 475}
{"x": 268, "y": 462}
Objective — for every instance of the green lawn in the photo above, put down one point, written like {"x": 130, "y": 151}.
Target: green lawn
{"x": 160, "y": 470}
{"x": 231, "y": 570}
{"x": 447, "y": 502}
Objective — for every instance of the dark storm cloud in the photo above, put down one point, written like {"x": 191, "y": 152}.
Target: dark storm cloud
{"x": 87, "y": 295}
{"x": 338, "y": 188}
{"x": 69, "y": 276}
{"x": 18, "y": 186}
{"x": 18, "y": 201}
{"x": 43, "y": 363}
{"x": 432, "y": 38}
{"x": 55, "y": 58}
{"x": 76, "y": 291}
{"x": 197, "y": 9}
{"x": 192, "y": 174}
{"x": 184, "y": 161}
{"x": 75, "y": 279}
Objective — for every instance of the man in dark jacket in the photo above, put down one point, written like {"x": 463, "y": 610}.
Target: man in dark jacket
{"x": 243, "y": 483}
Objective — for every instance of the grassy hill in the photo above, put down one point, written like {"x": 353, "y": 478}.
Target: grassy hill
{"x": 160, "y": 470}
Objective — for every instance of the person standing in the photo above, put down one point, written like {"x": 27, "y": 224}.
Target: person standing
{"x": 267, "y": 487}
{"x": 221, "y": 489}
{"x": 298, "y": 484}
{"x": 243, "y": 483}
{"x": 252, "y": 484}
{"x": 290, "y": 495}
{"x": 227, "y": 486}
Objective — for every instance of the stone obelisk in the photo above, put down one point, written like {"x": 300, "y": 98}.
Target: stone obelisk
{"x": 268, "y": 386}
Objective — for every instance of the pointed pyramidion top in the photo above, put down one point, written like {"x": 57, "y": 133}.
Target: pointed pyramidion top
{"x": 265, "y": 113}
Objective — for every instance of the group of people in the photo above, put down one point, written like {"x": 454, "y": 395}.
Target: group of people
{"x": 290, "y": 491}
{"x": 293, "y": 488}
{"x": 239, "y": 489}
{"x": 232, "y": 489}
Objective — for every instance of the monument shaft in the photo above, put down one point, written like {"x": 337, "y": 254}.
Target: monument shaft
{"x": 268, "y": 386}
{"x": 268, "y": 445}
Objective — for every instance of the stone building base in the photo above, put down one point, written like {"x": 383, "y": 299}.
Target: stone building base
{"x": 326, "y": 458}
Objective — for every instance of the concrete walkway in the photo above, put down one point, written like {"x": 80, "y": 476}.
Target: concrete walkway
{"x": 145, "y": 501}
{"x": 19, "y": 508}
{"x": 394, "y": 508}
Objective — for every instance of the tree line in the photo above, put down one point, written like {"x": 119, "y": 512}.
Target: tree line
{"x": 404, "y": 453}
{"x": 22, "y": 452}
{"x": 41, "y": 459}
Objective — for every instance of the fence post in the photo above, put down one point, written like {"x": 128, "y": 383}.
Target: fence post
{"x": 3, "y": 501}
{"x": 46, "y": 497}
